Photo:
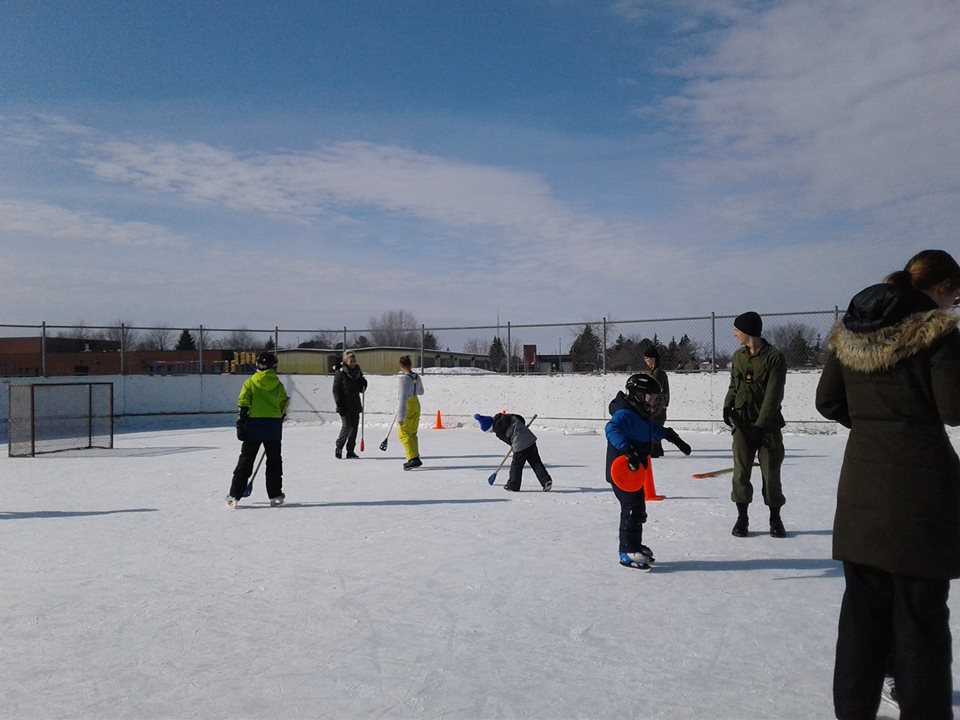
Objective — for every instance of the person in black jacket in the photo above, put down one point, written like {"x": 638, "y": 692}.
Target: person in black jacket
{"x": 512, "y": 429}
{"x": 348, "y": 384}
{"x": 893, "y": 378}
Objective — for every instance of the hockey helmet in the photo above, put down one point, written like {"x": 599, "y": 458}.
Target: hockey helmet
{"x": 266, "y": 361}
{"x": 642, "y": 390}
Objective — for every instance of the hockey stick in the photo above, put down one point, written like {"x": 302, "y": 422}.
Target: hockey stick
{"x": 493, "y": 478}
{"x": 715, "y": 473}
{"x": 383, "y": 445}
{"x": 363, "y": 407}
{"x": 246, "y": 493}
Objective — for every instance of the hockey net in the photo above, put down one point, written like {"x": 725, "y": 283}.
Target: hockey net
{"x": 46, "y": 418}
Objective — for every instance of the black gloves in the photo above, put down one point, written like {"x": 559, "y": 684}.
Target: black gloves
{"x": 637, "y": 455}
{"x": 242, "y": 416}
{"x": 671, "y": 436}
{"x": 728, "y": 416}
{"x": 635, "y": 460}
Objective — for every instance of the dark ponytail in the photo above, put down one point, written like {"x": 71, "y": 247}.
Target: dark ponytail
{"x": 926, "y": 270}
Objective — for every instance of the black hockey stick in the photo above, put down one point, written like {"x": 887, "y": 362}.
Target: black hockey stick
{"x": 383, "y": 445}
{"x": 246, "y": 493}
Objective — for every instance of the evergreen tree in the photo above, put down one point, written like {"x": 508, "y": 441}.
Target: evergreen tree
{"x": 585, "y": 351}
{"x": 186, "y": 341}
{"x": 497, "y": 355}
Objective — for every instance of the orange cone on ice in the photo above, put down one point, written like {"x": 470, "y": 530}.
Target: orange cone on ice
{"x": 439, "y": 424}
{"x": 649, "y": 489}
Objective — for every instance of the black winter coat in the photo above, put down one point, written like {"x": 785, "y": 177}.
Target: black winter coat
{"x": 893, "y": 378}
{"x": 347, "y": 386}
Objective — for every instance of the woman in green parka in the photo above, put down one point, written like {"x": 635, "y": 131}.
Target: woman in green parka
{"x": 893, "y": 378}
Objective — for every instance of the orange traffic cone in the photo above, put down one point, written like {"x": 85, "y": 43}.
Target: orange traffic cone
{"x": 439, "y": 424}
{"x": 649, "y": 489}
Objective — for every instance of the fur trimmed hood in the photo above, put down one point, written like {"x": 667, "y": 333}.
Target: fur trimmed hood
{"x": 881, "y": 349}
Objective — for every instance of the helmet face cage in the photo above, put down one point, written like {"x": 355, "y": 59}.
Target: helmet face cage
{"x": 644, "y": 391}
{"x": 266, "y": 361}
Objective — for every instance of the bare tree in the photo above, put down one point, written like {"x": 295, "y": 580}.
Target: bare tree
{"x": 797, "y": 342}
{"x": 395, "y": 328}
{"x": 159, "y": 337}
{"x": 122, "y": 332}
{"x": 323, "y": 340}
{"x": 476, "y": 346}
{"x": 241, "y": 339}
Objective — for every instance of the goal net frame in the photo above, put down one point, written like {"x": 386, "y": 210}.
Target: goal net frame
{"x": 53, "y": 417}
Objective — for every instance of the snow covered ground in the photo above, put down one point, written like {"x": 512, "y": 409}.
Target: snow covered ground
{"x": 131, "y": 591}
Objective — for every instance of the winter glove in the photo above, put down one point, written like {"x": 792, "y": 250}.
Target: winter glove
{"x": 754, "y": 437}
{"x": 637, "y": 458}
{"x": 671, "y": 436}
{"x": 728, "y": 416}
{"x": 242, "y": 417}
{"x": 363, "y": 385}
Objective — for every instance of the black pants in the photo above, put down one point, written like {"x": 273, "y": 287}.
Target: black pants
{"x": 881, "y": 613}
{"x": 348, "y": 430}
{"x": 248, "y": 456}
{"x": 529, "y": 455}
{"x": 633, "y": 514}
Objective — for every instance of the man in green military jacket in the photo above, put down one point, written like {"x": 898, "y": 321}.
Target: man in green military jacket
{"x": 751, "y": 408}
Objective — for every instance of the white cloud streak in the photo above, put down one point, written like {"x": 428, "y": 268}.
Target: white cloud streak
{"x": 50, "y": 222}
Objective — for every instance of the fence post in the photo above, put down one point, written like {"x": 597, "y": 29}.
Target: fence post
{"x": 123, "y": 351}
{"x": 836, "y": 313}
{"x": 603, "y": 350}
{"x": 344, "y": 338}
{"x": 276, "y": 339}
{"x": 713, "y": 341}
{"x": 200, "y": 348}
{"x": 509, "y": 347}
{"x": 43, "y": 348}
{"x": 422, "y": 335}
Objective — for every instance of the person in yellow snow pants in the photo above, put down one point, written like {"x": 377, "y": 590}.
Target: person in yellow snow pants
{"x": 408, "y": 414}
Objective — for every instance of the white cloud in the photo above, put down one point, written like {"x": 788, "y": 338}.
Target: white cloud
{"x": 851, "y": 105}
{"x": 45, "y": 221}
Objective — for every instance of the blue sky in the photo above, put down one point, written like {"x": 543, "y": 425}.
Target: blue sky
{"x": 315, "y": 164}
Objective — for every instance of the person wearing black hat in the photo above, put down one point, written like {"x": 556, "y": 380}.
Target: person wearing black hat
{"x": 751, "y": 408}
{"x": 651, "y": 357}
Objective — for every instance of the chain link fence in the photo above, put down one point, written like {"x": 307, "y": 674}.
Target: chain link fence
{"x": 685, "y": 344}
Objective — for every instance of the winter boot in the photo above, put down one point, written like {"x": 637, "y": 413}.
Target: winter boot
{"x": 548, "y": 485}
{"x": 412, "y": 463}
{"x": 741, "y": 527}
{"x": 278, "y": 500}
{"x": 776, "y": 524}
{"x": 338, "y": 454}
{"x": 232, "y": 502}
{"x": 352, "y": 455}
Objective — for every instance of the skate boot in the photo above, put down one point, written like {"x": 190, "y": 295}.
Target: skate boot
{"x": 548, "y": 485}
{"x": 635, "y": 560}
{"x": 278, "y": 500}
{"x": 647, "y": 555}
{"x": 232, "y": 502}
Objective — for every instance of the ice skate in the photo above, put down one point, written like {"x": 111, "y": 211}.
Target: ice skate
{"x": 278, "y": 500}
{"x": 548, "y": 485}
{"x": 888, "y": 693}
{"x": 647, "y": 555}
{"x": 232, "y": 502}
{"x": 635, "y": 560}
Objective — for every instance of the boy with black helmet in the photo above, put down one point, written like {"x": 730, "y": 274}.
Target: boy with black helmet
{"x": 262, "y": 405}
{"x": 630, "y": 432}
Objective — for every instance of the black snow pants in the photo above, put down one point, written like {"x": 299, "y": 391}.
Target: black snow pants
{"x": 248, "y": 456}
{"x": 880, "y": 613}
{"x": 529, "y": 455}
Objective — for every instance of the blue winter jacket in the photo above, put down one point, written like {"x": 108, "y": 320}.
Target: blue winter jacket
{"x": 628, "y": 429}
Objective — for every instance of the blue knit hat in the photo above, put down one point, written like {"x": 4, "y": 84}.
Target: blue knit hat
{"x": 486, "y": 422}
